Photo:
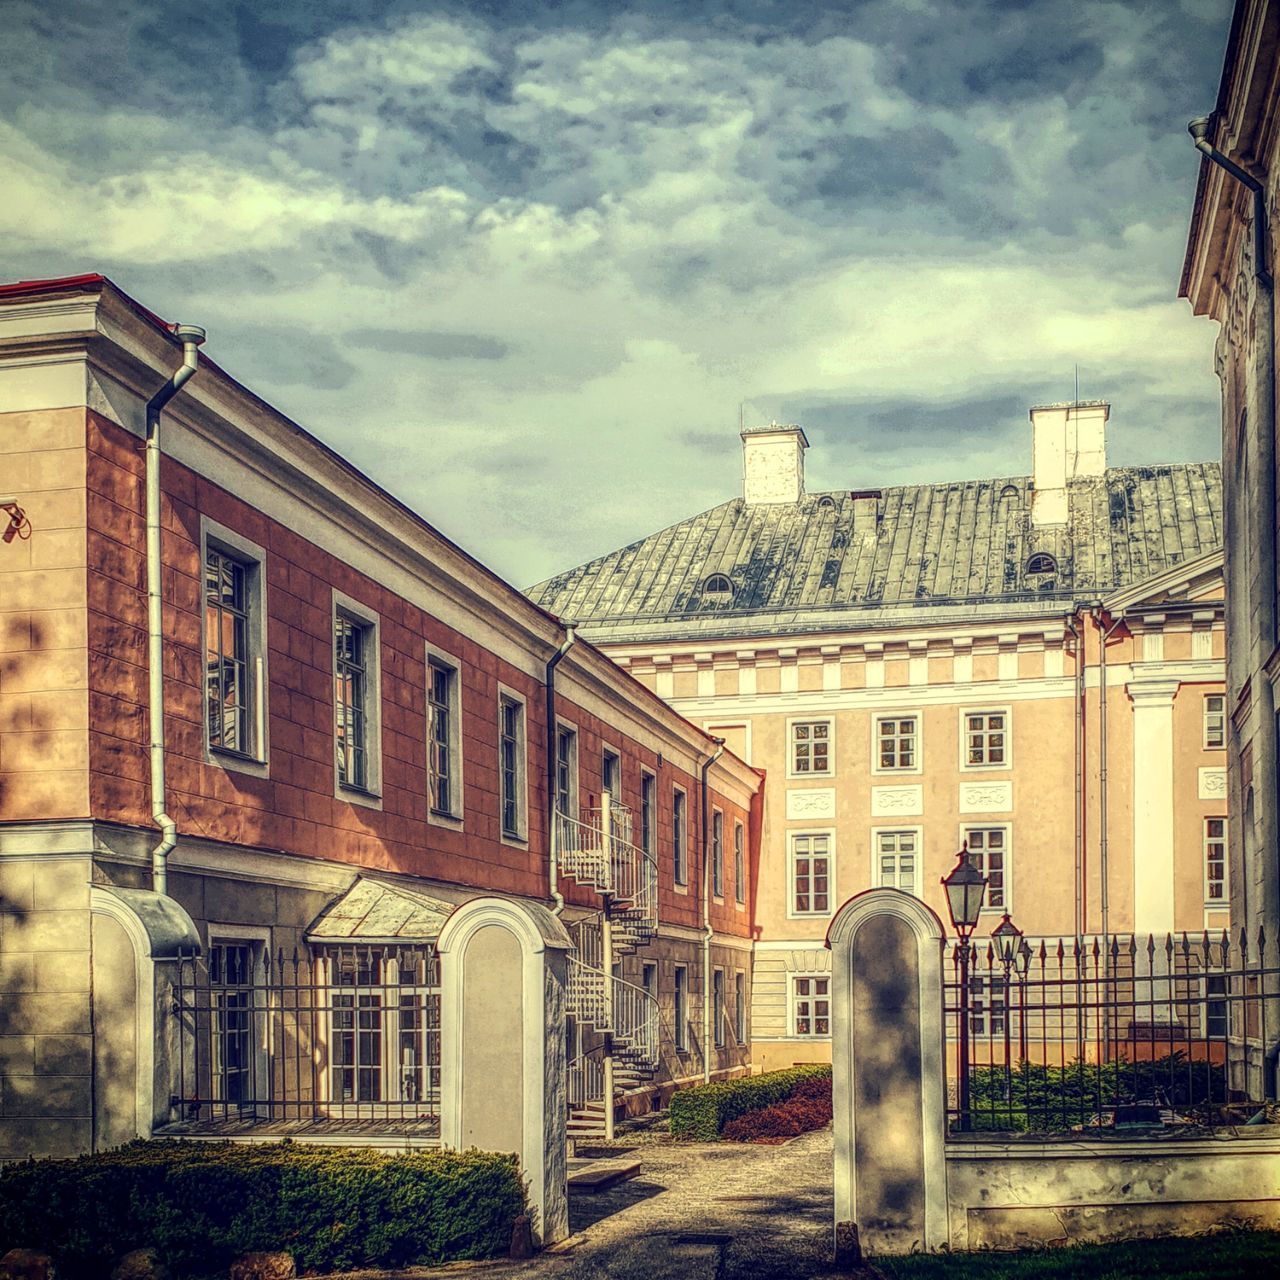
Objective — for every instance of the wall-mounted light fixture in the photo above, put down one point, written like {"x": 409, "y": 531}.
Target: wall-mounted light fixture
{"x": 18, "y": 525}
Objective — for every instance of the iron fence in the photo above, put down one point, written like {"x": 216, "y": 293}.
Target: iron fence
{"x": 343, "y": 1038}
{"x": 1088, "y": 1034}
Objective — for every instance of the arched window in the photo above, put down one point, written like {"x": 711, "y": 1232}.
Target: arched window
{"x": 1009, "y": 491}
{"x": 717, "y": 589}
{"x": 1042, "y": 563}
{"x": 826, "y": 501}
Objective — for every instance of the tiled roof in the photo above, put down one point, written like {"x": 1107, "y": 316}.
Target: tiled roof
{"x": 913, "y": 553}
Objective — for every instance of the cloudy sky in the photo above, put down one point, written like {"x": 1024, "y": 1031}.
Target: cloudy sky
{"x": 524, "y": 260}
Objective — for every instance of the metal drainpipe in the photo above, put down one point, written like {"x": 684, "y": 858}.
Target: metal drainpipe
{"x": 553, "y": 851}
{"x": 191, "y": 336}
{"x": 1104, "y": 869}
{"x": 1080, "y": 913}
{"x": 1264, "y": 539}
{"x": 707, "y": 931}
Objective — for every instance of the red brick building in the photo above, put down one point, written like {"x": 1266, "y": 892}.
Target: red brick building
{"x": 355, "y": 739}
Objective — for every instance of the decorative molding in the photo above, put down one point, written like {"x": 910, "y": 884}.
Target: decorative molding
{"x": 986, "y": 797}
{"x": 902, "y": 801}
{"x": 819, "y": 802}
{"x": 1213, "y": 783}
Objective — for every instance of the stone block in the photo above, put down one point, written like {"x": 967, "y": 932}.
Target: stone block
{"x": 63, "y": 885}
{"x": 63, "y": 1055}
{"x": 17, "y": 885}
{"x": 21, "y": 1137}
{"x": 44, "y": 1097}
{"x": 17, "y": 973}
{"x": 43, "y": 1014}
{"x": 62, "y": 971}
{"x": 17, "y": 1055}
{"x": 41, "y": 931}
{"x": 238, "y": 902}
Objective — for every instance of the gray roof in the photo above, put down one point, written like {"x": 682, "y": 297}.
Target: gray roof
{"x": 910, "y": 554}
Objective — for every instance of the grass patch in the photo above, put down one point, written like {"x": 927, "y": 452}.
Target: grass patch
{"x": 1209, "y": 1257}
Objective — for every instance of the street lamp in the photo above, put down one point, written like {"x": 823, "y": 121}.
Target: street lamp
{"x": 966, "y": 886}
{"x": 1009, "y": 943}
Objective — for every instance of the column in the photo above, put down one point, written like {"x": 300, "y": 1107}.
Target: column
{"x": 1153, "y": 804}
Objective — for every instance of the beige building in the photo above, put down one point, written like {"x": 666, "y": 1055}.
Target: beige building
{"x": 1031, "y": 665}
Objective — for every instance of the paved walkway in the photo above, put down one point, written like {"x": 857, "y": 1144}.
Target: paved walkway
{"x": 718, "y": 1211}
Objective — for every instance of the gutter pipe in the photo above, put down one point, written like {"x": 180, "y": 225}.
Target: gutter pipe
{"x": 191, "y": 336}
{"x": 1104, "y": 869}
{"x": 1081, "y": 912}
{"x": 552, "y": 825}
{"x": 707, "y": 931}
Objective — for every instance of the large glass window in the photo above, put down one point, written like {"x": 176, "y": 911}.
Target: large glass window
{"x": 611, "y": 773}
{"x": 231, "y": 983}
{"x": 442, "y": 682}
{"x": 679, "y": 836}
{"x": 680, "y": 1007}
{"x": 717, "y": 854}
{"x": 897, "y": 860}
{"x": 989, "y": 852}
{"x": 810, "y": 875}
{"x": 986, "y": 739}
{"x": 717, "y": 1006}
{"x": 566, "y": 769}
{"x": 740, "y": 1007}
{"x": 511, "y": 764}
{"x": 352, "y": 643}
{"x": 1215, "y": 721}
{"x": 811, "y": 747}
{"x": 897, "y": 743}
{"x": 1215, "y": 861}
{"x": 739, "y": 863}
{"x": 229, "y": 675}
{"x": 648, "y": 791}
{"x": 811, "y": 1006}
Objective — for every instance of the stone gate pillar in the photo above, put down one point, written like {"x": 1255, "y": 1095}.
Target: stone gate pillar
{"x": 888, "y": 1089}
{"x": 503, "y": 969}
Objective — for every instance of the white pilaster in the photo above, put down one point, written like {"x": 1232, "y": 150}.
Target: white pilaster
{"x": 1153, "y": 804}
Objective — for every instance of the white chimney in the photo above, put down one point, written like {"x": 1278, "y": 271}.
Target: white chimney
{"x": 1067, "y": 441}
{"x": 773, "y": 463}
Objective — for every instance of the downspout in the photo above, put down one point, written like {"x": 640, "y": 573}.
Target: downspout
{"x": 191, "y": 337}
{"x": 707, "y": 931}
{"x": 553, "y": 826}
{"x": 1081, "y": 914}
{"x": 1104, "y": 869}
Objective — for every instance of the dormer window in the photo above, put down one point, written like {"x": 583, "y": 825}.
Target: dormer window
{"x": 717, "y": 590}
{"x": 826, "y": 501}
{"x": 1041, "y": 564}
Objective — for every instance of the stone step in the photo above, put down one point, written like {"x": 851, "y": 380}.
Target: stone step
{"x": 599, "y": 1177}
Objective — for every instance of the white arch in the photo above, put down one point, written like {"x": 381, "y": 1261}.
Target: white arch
{"x": 892, "y": 902}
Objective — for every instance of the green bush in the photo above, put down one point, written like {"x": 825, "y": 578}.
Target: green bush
{"x": 201, "y": 1205}
{"x": 701, "y": 1113}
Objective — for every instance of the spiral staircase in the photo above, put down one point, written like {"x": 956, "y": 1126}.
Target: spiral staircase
{"x": 621, "y": 1018}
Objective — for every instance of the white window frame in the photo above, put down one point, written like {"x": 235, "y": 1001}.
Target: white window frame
{"x": 649, "y": 970}
{"x": 719, "y": 1007}
{"x": 568, "y": 726}
{"x": 886, "y": 829}
{"x": 739, "y": 864}
{"x": 895, "y": 772}
{"x": 1207, "y": 716}
{"x": 370, "y": 794}
{"x": 792, "y": 723}
{"x": 966, "y": 828}
{"x": 1222, "y": 903}
{"x": 717, "y": 853}
{"x": 456, "y": 816}
{"x": 519, "y": 837}
{"x": 809, "y": 833}
{"x": 982, "y": 1005}
{"x": 680, "y": 841}
{"x": 793, "y": 999}
{"x": 649, "y": 780}
{"x": 217, "y": 537}
{"x": 680, "y": 1007}
{"x": 1005, "y": 711}
{"x": 606, "y": 749}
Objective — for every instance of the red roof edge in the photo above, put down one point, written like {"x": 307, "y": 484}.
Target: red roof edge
{"x": 89, "y": 282}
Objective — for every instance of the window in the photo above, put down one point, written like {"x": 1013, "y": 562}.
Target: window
{"x": 355, "y": 684}
{"x": 511, "y": 765}
{"x": 231, "y": 991}
{"x": 384, "y": 1025}
{"x": 896, "y": 745}
{"x": 1215, "y": 1008}
{"x": 230, "y": 676}
{"x": 610, "y": 773}
{"x": 810, "y": 748}
{"x": 717, "y": 854}
{"x": 739, "y": 863}
{"x": 988, "y": 1006}
{"x": 986, "y": 740}
{"x": 811, "y": 1006}
{"x": 989, "y": 852}
{"x": 717, "y": 1006}
{"x": 679, "y": 836}
{"x": 717, "y": 589}
{"x": 740, "y": 1007}
{"x": 648, "y": 792}
{"x": 649, "y": 980}
{"x": 566, "y": 771}
{"x": 897, "y": 860}
{"x": 810, "y": 875}
{"x": 443, "y": 741}
{"x": 1042, "y": 563}
{"x": 1215, "y": 862}
{"x": 680, "y": 1010}
{"x": 1215, "y": 722}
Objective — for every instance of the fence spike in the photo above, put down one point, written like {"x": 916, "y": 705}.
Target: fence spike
{"x": 1168, "y": 946}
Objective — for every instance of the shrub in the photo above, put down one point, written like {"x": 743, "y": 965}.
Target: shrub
{"x": 808, "y": 1108}
{"x": 200, "y": 1205}
{"x": 701, "y": 1113}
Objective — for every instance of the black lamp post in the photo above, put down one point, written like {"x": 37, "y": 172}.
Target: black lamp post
{"x": 966, "y": 886}
{"x": 1009, "y": 942}
{"x": 1022, "y": 963}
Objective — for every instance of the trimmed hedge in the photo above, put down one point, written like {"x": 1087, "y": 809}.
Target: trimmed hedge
{"x": 201, "y": 1205}
{"x": 808, "y": 1108}
{"x": 701, "y": 1113}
